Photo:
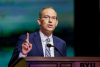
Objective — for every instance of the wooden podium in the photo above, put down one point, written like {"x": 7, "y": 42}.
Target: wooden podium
{"x": 57, "y": 62}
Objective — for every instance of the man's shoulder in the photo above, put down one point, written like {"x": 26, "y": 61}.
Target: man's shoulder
{"x": 30, "y": 35}
{"x": 58, "y": 38}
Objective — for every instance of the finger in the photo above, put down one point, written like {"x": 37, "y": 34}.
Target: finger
{"x": 30, "y": 45}
{"x": 24, "y": 46}
{"x": 27, "y": 37}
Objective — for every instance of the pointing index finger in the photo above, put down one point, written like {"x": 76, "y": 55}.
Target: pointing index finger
{"x": 27, "y": 37}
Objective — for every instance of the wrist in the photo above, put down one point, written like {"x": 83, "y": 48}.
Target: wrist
{"x": 24, "y": 53}
{"x": 21, "y": 55}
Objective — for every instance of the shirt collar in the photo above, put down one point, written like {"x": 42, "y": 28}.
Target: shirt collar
{"x": 44, "y": 37}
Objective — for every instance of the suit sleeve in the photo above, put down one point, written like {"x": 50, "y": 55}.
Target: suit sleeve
{"x": 65, "y": 49}
{"x": 17, "y": 50}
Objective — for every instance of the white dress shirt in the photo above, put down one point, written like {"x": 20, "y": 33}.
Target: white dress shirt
{"x": 43, "y": 40}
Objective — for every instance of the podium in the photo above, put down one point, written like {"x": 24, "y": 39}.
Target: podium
{"x": 57, "y": 62}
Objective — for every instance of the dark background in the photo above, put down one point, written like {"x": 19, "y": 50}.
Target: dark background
{"x": 87, "y": 30}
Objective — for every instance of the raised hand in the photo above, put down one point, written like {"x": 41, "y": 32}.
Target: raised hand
{"x": 26, "y": 46}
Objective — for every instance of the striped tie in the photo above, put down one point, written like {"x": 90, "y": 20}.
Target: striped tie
{"x": 47, "y": 49}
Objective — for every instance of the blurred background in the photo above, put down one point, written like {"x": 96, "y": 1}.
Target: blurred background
{"x": 20, "y": 16}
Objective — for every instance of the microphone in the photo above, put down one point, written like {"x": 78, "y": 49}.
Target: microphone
{"x": 49, "y": 45}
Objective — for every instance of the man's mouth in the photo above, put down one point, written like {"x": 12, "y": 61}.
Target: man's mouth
{"x": 50, "y": 25}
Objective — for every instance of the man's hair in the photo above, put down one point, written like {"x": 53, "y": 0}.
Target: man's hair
{"x": 40, "y": 13}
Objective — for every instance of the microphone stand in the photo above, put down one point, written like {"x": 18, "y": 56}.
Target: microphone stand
{"x": 49, "y": 45}
{"x": 59, "y": 51}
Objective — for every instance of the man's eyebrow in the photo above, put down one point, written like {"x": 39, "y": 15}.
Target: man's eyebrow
{"x": 48, "y": 15}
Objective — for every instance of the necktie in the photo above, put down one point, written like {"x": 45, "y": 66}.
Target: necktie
{"x": 47, "y": 49}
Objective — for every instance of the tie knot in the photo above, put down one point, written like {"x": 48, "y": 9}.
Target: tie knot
{"x": 48, "y": 39}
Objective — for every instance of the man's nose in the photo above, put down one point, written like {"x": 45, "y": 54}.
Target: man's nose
{"x": 50, "y": 20}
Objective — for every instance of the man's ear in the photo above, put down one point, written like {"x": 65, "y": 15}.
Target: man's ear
{"x": 56, "y": 22}
{"x": 39, "y": 21}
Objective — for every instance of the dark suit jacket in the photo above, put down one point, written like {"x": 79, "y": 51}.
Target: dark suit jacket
{"x": 37, "y": 50}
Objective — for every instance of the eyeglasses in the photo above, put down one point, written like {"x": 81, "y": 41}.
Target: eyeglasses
{"x": 48, "y": 17}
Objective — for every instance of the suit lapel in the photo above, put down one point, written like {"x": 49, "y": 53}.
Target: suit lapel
{"x": 38, "y": 43}
{"x": 55, "y": 44}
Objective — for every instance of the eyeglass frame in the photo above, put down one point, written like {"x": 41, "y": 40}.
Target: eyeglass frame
{"x": 48, "y": 17}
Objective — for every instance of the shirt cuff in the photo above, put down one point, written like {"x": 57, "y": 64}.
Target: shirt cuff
{"x": 21, "y": 55}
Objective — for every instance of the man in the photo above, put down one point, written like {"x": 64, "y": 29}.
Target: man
{"x": 34, "y": 44}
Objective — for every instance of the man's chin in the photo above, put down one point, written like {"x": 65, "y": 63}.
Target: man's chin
{"x": 50, "y": 30}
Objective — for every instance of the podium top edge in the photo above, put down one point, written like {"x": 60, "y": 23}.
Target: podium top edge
{"x": 61, "y": 58}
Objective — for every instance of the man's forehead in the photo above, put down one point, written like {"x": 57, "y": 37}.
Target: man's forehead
{"x": 49, "y": 11}
{"x": 51, "y": 16}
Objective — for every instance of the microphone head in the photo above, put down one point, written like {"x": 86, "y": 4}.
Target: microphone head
{"x": 49, "y": 45}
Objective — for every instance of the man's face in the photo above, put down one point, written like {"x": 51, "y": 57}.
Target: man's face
{"x": 48, "y": 21}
